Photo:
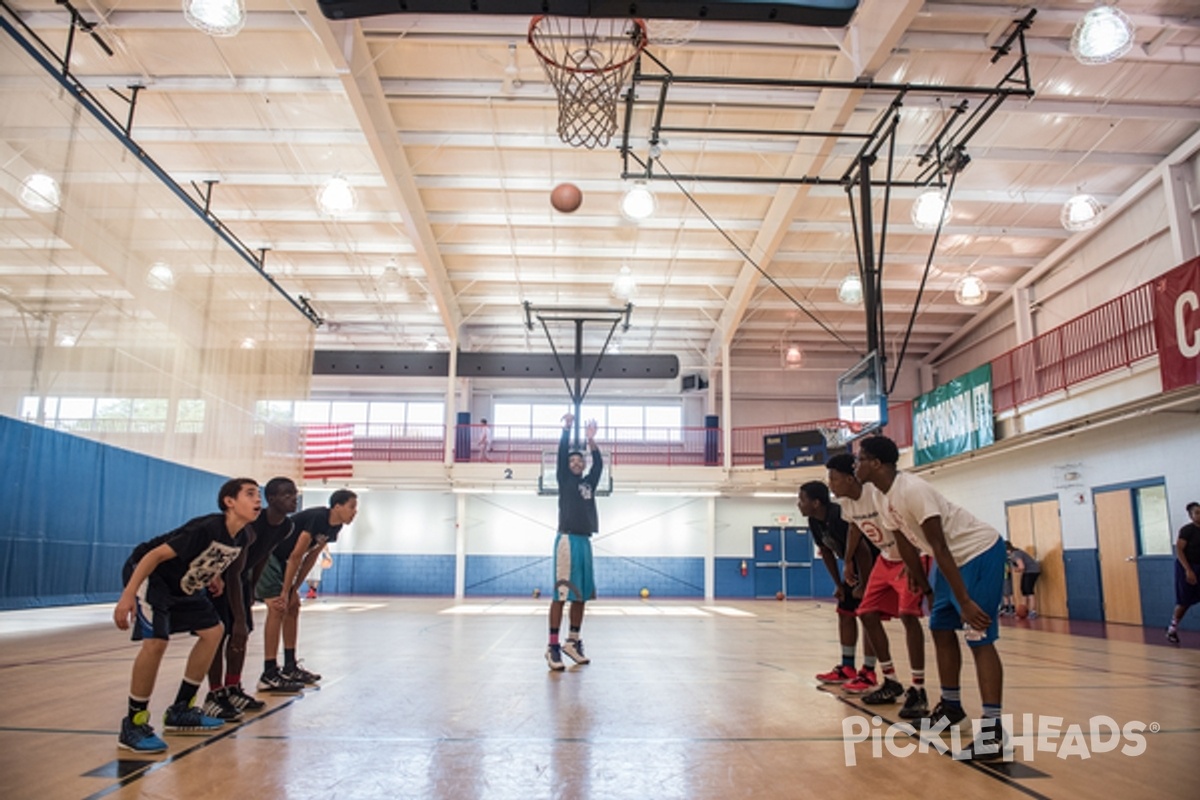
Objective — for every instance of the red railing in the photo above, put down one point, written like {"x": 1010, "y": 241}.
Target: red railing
{"x": 1111, "y": 336}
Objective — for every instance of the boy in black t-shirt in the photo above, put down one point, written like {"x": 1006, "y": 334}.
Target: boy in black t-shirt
{"x": 1187, "y": 566}
{"x": 286, "y": 568}
{"x": 574, "y": 576}
{"x": 165, "y": 581}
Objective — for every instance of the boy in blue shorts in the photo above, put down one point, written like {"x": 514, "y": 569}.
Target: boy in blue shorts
{"x": 165, "y": 582}
{"x": 574, "y": 580}
{"x": 970, "y": 556}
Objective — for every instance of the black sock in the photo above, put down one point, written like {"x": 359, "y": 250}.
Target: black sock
{"x": 289, "y": 657}
{"x": 270, "y": 666}
{"x": 137, "y": 706}
{"x": 187, "y": 692}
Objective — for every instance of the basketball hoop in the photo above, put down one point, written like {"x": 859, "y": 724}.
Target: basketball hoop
{"x": 840, "y": 436}
{"x": 587, "y": 62}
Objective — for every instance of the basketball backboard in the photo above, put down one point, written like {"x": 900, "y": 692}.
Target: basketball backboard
{"x": 860, "y": 394}
{"x": 818, "y": 13}
{"x": 548, "y": 475}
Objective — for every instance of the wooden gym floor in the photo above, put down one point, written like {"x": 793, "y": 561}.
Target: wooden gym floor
{"x": 426, "y": 698}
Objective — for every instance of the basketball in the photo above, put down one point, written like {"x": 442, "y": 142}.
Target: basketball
{"x": 1022, "y": 611}
{"x": 779, "y": 595}
{"x": 566, "y": 197}
{"x": 644, "y": 593}
{"x": 537, "y": 593}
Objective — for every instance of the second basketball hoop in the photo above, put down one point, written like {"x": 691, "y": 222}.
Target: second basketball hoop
{"x": 587, "y": 61}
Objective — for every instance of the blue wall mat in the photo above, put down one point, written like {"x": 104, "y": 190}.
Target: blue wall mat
{"x": 728, "y": 580}
{"x": 76, "y": 508}
{"x": 664, "y": 577}
{"x": 1084, "y": 600}
{"x": 387, "y": 574}
{"x": 508, "y": 576}
{"x": 1156, "y": 582}
{"x": 822, "y": 584}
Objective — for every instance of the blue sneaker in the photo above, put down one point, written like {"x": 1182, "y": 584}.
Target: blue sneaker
{"x": 181, "y": 718}
{"x": 139, "y": 736}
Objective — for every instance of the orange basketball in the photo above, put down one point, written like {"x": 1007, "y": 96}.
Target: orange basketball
{"x": 1022, "y": 611}
{"x": 566, "y": 197}
{"x": 779, "y": 595}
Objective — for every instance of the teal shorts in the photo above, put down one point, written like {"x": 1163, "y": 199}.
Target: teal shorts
{"x": 574, "y": 578}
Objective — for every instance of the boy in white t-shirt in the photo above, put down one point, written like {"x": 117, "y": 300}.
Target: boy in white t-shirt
{"x": 887, "y": 592}
{"x": 967, "y": 586}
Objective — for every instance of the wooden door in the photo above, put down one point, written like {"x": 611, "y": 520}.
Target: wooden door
{"x": 1115, "y": 536}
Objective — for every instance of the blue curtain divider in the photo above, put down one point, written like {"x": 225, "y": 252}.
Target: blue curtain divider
{"x": 77, "y": 508}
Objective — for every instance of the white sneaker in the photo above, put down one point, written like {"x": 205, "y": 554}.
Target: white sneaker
{"x": 574, "y": 650}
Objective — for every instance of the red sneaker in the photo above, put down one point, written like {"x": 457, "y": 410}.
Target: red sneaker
{"x": 839, "y": 674}
{"x": 865, "y": 682}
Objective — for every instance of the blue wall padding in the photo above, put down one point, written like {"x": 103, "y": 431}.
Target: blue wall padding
{"x": 76, "y": 508}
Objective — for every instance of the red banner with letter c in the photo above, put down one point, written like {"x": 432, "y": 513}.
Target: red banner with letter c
{"x": 1177, "y": 325}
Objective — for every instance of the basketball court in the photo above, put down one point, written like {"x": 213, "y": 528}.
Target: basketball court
{"x": 431, "y": 698}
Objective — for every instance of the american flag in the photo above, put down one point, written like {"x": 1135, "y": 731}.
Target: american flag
{"x": 329, "y": 451}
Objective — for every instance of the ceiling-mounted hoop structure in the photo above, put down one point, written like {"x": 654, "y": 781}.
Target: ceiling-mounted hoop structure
{"x": 940, "y": 161}
{"x": 587, "y": 61}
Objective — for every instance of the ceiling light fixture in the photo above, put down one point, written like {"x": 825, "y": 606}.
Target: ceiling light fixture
{"x": 624, "y": 286}
{"x": 160, "y": 277}
{"x": 1080, "y": 213}
{"x": 793, "y": 357}
{"x": 850, "y": 290}
{"x": 931, "y": 209}
{"x": 39, "y": 192}
{"x": 337, "y": 197}
{"x": 431, "y": 344}
{"x": 638, "y": 202}
{"x": 248, "y": 343}
{"x": 1102, "y": 35}
{"x": 215, "y": 17}
{"x": 970, "y": 290}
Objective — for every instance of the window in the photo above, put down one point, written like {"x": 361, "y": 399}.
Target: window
{"x": 1153, "y": 522}
{"x": 626, "y": 423}
{"x": 189, "y": 416}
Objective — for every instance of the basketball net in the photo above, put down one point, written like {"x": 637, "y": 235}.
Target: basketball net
{"x": 587, "y": 61}
{"x": 841, "y": 435}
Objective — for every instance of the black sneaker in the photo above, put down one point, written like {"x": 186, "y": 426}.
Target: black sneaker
{"x": 989, "y": 743}
{"x": 274, "y": 682}
{"x": 954, "y": 716}
{"x": 299, "y": 674}
{"x": 217, "y": 705}
{"x": 1172, "y": 636}
{"x": 916, "y": 703}
{"x": 243, "y": 701}
{"x": 890, "y": 692}
{"x": 554, "y": 658}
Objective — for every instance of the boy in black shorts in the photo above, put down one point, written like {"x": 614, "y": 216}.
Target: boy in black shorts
{"x": 165, "y": 579}
{"x": 830, "y": 531}
{"x": 285, "y": 571}
{"x": 272, "y": 527}
{"x": 1187, "y": 566}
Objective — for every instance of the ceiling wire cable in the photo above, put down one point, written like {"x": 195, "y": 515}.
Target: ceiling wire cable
{"x": 741, "y": 251}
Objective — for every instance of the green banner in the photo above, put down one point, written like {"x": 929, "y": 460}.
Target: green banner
{"x": 954, "y": 418}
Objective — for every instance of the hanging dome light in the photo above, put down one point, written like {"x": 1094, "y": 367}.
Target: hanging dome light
{"x": 39, "y": 192}
{"x": 850, "y": 290}
{"x": 160, "y": 277}
{"x": 638, "y": 202}
{"x": 793, "y": 356}
{"x": 337, "y": 197}
{"x": 970, "y": 290}
{"x": 931, "y": 209}
{"x": 215, "y": 17}
{"x": 624, "y": 286}
{"x": 249, "y": 343}
{"x": 1080, "y": 213}
{"x": 1101, "y": 36}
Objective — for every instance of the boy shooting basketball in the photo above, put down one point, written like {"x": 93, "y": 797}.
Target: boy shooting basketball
{"x": 574, "y": 580}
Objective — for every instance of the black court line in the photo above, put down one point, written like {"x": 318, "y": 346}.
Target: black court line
{"x": 989, "y": 769}
{"x": 155, "y": 766}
